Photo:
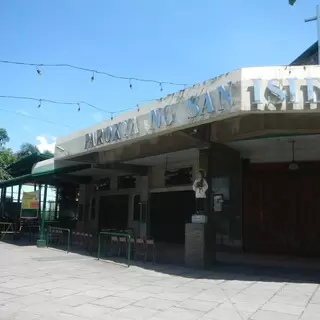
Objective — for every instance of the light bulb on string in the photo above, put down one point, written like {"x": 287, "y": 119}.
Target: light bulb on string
{"x": 38, "y": 71}
{"x": 92, "y": 77}
{"x": 138, "y": 107}
{"x": 79, "y": 108}
{"x": 130, "y": 84}
{"x": 111, "y": 116}
{"x": 40, "y": 102}
{"x": 161, "y": 88}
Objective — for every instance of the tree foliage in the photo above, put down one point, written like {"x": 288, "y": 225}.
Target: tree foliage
{"x": 6, "y": 155}
{"x": 292, "y": 2}
{"x": 4, "y": 138}
{"x": 26, "y": 149}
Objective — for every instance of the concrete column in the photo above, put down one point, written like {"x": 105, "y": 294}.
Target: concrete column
{"x": 87, "y": 193}
{"x": 143, "y": 187}
{"x": 200, "y": 237}
{"x": 226, "y": 163}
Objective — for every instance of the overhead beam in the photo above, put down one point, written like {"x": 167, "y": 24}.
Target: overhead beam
{"x": 151, "y": 147}
{"x": 195, "y": 140}
{"x": 128, "y": 168}
{"x": 74, "y": 179}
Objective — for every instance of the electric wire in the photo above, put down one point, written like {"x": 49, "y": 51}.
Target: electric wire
{"x": 35, "y": 118}
{"x": 78, "y": 103}
{"x": 93, "y": 72}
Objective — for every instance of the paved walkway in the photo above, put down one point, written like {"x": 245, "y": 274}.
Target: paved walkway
{"x": 47, "y": 284}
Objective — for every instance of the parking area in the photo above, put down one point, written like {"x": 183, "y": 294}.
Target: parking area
{"x": 50, "y": 284}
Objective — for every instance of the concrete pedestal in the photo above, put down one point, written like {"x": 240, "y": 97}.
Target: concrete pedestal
{"x": 197, "y": 253}
{"x": 41, "y": 243}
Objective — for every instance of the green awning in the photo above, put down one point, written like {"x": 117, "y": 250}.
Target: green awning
{"x": 23, "y": 166}
{"x": 17, "y": 181}
{"x": 46, "y": 169}
{"x": 51, "y": 166}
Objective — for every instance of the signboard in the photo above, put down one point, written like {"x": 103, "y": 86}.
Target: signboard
{"x": 193, "y": 108}
{"x": 30, "y": 204}
{"x": 258, "y": 89}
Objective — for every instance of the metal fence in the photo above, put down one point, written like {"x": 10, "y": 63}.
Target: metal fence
{"x": 56, "y": 236}
{"x": 127, "y": 243}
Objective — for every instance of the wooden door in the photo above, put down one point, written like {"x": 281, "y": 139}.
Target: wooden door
{"x": 269, "y": 212}
{"x": 281, "y": 209}
{"x": 308, "y": 231}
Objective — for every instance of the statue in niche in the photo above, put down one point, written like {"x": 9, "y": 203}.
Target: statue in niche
{"x": 200, "y": 187}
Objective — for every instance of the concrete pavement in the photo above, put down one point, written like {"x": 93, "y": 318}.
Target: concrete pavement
{"x": 47, "y": 284}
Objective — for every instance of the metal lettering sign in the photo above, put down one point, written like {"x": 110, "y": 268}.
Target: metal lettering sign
{"x": 162, "y": 117}
{"x": 283, "y": 91}
{"x": 270, "y": 94}
{"x": 115, "y": 132}
{"x": 219, "y": 100}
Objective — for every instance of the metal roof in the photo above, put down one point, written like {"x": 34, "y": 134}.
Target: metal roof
{"x": 309, "y": 56}
{"x": 24, "y": 165}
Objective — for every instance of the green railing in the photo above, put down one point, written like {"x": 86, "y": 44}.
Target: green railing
{"x": 7, "y": 228}
{"x": 116, "y": 234}
{"x": 49, "y": 233}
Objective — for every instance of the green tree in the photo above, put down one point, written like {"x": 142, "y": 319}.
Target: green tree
{"x": 292, "y": 2}
{"x": 48, "y": 152}
{"x": 6, "y": 155}
{"x": 26, "y": 149}
{"x": 4, "y": 138}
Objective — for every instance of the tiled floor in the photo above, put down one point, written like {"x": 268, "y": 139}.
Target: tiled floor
{"x": 49, "y": 284}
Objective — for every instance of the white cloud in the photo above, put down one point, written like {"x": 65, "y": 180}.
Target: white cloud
{"x": 45, "y": 145}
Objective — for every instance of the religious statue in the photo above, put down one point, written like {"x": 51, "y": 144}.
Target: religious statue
{"x": 200, "y": 187}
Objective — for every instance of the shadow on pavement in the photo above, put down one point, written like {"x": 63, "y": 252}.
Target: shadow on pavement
{"x": 230, "y": 270}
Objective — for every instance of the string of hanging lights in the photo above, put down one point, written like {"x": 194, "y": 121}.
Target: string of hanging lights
{"x": 40, "y": 66}
{"x": 78, "y": 104}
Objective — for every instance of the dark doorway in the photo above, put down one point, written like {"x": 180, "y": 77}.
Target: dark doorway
{"x": 169, "y": 211}
{"x": 113, "y": 212}
{"x": 281, "y": 209}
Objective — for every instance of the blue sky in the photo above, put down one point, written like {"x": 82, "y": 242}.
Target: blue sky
{"x": 184, "y": 41}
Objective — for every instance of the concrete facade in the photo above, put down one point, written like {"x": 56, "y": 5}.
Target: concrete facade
{"x": 248, "y": 90}
{"x": 213, "y": 126}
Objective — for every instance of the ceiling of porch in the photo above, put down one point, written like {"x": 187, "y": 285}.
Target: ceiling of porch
{"x": 188, "y": 155}
{"x": 279, "y": 149}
